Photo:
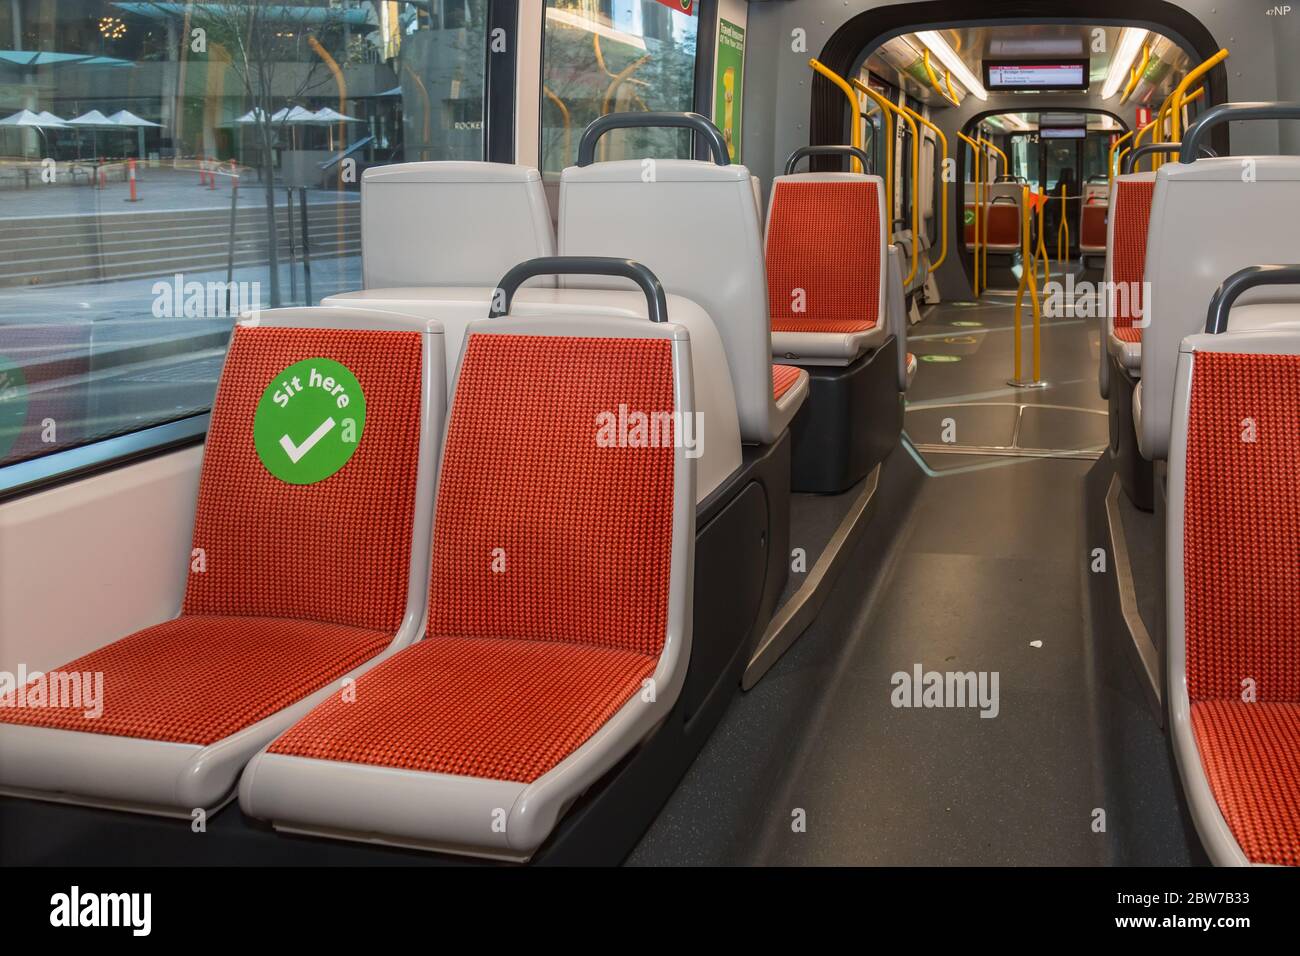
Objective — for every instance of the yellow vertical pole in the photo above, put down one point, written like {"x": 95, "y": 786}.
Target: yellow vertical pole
{"x": 943, "y": 192}
{"x": 975, "y": 149}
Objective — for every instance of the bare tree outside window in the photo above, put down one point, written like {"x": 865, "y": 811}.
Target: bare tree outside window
{"x": 280, "y": 61}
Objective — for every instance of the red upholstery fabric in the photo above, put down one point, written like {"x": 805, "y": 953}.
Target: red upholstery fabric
{"x": 842, "y": 326}
{"x": 1251, "y": 755}
{"x": 824, "y": 238}
{"x": 335, "y": 551}
{"x": 199, "y": 678}
{"x": 1128, "y": 334}
{"x": 585, "y": 531}
{"x": 1128, "y": 255}
{"x": 783, "y": 378}
{"x": 1092, "y": 230}
{"x": 523, "y": 664}
{"x": 504, "y": 710}
{"x": 301, "y": 583}
{"x": 1241, "y": 524}
{"x": 1003, "y": 224}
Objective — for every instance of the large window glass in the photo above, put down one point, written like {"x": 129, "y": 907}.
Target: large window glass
{"x": 612, "y": 56}
{"x": 164, "y": 165}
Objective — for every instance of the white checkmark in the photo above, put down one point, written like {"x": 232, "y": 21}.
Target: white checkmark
{"x": 295, "y": 452}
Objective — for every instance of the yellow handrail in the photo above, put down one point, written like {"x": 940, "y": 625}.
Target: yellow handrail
{"x": 992, "y": 180}
{"x": 1133, "y": 79}
{"x": 934, "y": 81}
{"x": 893, "y": 108}
{"x": 1042, "y": 241}
{"x": 855, "y": 125}
{"x": 1064, "y": 227}
{"x": 1110, "y": 159}
{"x": 1178, "y": 101}
{"x": 975, "y": 148}
{"x": 1120, "y": 158}
{"x": 943, "y": 193}
{"x": 1027, "y": 278}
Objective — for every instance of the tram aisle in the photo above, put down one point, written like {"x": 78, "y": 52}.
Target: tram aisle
{"x": 974, "y": 563}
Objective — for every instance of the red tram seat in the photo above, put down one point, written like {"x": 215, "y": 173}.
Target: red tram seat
{"x": 479, "y": 738}
{"x": 291, "y": 586}
{"x": 1092, "y": 223}
{"x": 1126, "y": 244}
{"x": 1234, "y": 591}
{"x": 825, "y": 247}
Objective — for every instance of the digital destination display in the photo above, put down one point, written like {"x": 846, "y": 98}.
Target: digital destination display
{"x": 1062, "y": 132}
{"x": 1029, "y": 75}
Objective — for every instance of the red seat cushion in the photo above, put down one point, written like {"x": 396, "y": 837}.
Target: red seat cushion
{"x": 1128, "y": 334}
{"x": 838, "y": 326}
{"x": 338, "y": 550}
{"x": 823, "y": 256}
{"x": 199, "y": 678}
{"x": 1241, "y": 524}
{"x": 1092, "y": 227}
{"x": 1251, "y": 755}
{"x": 551, "y": 560}
{"x": 499, "y": 709}
{"x": 1128, "y": 256}
{"x": 783, "y": 379}
{"x": 581, "y": 534}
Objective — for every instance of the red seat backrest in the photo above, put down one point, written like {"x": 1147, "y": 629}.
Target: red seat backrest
{"x": 542, "y": 532}
{"x": 1129, "y": 250}
{"x": 823, "y": 236}
{"x": 339, "y": 550}
{"x": 1241, "y": 574}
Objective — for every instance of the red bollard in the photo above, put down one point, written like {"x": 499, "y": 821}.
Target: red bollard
{"x": 130, "y": 173}
{"x": 234, "y": 174}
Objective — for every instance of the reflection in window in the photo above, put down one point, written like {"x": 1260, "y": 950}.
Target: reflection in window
{"x": 165, "y": 165}
{"x": 611, "y": 56}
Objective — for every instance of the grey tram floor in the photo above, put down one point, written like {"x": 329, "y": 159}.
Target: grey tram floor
{"x": 973, "y": 563}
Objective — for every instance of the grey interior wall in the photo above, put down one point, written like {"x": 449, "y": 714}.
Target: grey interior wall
{"x": 1263, "y": 66}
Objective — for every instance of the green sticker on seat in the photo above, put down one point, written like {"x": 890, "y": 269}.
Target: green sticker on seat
{"x": 13, "y": 404}
{"x": 309, "y": 421}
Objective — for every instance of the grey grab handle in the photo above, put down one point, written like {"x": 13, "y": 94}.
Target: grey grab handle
{"x": 1131, "y": 158}
{"x": 1250, "y": 277}
{"x": 691, "y": 121}
{"x": 656, "y": 301}
{"x": 803, "y": 151}
{"x": 1230, "y": 113}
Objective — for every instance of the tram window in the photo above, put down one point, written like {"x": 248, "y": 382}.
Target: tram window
{"x": 607, "y": 56}
{"x": 115, "y": 314}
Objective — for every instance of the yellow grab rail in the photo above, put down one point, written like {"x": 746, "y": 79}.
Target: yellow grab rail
{"x": 1176, "y": 107}
{"x": 894, "y": 109}
{"x": 1042, "y": 241}
{"x": 1136, "y": 75}
{"x": 934, "y": 81}
{"x": 943, "y": 193}
{"x": 1030, "y": 279}
{"x": 989, "y": 149}
{"x": 1110, "y": 158}
{"x": 1006, "y": 164}
{"x": 975, "y": 148}
{"x": 855, "y": 124}
{"x": 1063, "y": 232}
